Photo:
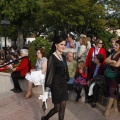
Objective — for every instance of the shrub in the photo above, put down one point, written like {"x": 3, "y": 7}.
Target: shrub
{"x": 42, "y": 43}
{"x": 32, "y": 55}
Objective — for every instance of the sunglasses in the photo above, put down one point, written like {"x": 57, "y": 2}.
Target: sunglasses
{"x": 100, "y": 43}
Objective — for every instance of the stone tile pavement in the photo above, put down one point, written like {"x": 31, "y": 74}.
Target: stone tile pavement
{"x": 15, "y": 107}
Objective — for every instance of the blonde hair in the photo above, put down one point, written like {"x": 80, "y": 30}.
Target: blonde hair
{"x": 85, "y": 41}
{"x": 114, "y": 39}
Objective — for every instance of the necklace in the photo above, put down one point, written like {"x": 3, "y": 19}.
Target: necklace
{"x": 61, "y": 59}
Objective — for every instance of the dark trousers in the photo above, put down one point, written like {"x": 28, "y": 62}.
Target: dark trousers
{"x": 95, "y": 93}
{"x": 15, "y": 76}
{"x": 78, "y": 89}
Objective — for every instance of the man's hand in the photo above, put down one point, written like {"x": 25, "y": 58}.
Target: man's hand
{"x": 14, "y": 69}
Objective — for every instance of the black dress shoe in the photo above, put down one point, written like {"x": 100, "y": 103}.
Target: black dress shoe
{"x": 17, "y": 91}
{"x": 88, "y": 101}
{"x": 13, "y": 89}
{"x": 77, "y": 98}
{"x": 43, "y": 118}
{"x": 93, "y": 105}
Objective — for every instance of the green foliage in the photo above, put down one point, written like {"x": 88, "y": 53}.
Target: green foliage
{"x": 18, "y": 12}
{"x": 15, "y": 10}
{"x": 40, "y": 42}
{"x": 38, "y": 16}
{"x": 74, "y": 15}
{"x": 50, "y": 36}
{"x": 32, "y": 55}
{"x": 106, "y": 36}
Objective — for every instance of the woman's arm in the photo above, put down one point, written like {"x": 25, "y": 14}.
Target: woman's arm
{"x": 116, "y": 63}
{"x": 109, "y": 61}
{"x": 44, "y": 67}
{"x": 50, "y": 72}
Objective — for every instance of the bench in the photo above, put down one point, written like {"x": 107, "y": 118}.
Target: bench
{"x": 72, "y": 95}
{"x": 6, "y": 84}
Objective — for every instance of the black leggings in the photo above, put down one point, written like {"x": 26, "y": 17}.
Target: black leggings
{"x": 60, "y": 108}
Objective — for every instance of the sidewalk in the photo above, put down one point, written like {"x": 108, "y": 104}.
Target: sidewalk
{"x": 15, "y": 107}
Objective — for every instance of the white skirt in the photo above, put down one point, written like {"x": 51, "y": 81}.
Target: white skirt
{"x": 36, "y": 77}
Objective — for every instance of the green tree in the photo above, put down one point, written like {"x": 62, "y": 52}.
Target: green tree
{"x": 73, "y": 15}
{"x": 18, "y": 12}
{"x": 32, "y": 55}
{"x": 112, "y": 14}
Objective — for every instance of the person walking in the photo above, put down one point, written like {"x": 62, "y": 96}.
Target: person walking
{"x": 57, "y": 76}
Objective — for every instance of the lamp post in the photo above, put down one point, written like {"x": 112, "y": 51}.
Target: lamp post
{"x": 5, "y": 23}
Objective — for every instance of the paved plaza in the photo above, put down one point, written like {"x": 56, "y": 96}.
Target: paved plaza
{"x": 15, "y": 107}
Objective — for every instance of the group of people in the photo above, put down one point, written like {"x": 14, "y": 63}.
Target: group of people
{"x": 62, "y": 72}
{"x": 91, "y": 64}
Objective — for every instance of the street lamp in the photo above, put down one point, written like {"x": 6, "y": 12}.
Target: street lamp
{"x": 5, "y": 23}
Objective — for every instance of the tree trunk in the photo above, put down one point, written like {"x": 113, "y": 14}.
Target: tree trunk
{"x": 20, "y": 36}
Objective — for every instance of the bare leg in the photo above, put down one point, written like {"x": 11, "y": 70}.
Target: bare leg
{"x": 29, "y": 91}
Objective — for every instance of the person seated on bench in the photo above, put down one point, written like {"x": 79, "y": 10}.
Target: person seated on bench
{"x": 80, "y": 79}
{"x": 72, "y": 64}
{"x": 38, "y": 72}
{"x": 97, "y": 69}
{"x": 20, "y": 71}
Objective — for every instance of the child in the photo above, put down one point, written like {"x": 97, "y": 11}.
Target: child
{"x": 80, "y": 79}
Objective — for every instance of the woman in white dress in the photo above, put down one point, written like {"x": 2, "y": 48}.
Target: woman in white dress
{"x": 37, "y": 75}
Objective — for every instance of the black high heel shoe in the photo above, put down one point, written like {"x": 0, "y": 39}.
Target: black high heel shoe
{"x": 88, "y": 100}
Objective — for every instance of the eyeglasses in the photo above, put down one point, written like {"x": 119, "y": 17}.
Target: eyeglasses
{"x": 100, "y": 43}
{"x": 38, "y": 53}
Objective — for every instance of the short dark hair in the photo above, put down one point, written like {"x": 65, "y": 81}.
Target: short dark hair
{"x": 118, "y": 41}
{"x": 42, "y": 51}
{"x": 97, "y": 41}
{"x": 72, "y": 36}
{"x": 100, "y": 57}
